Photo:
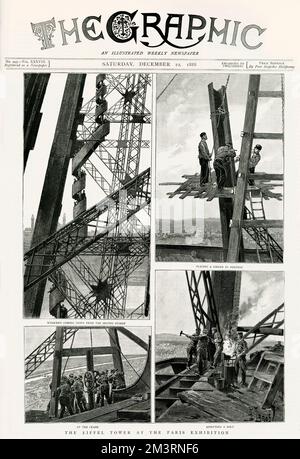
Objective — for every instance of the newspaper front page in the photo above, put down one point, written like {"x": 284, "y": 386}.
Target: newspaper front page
{"x": 149, "y": 235}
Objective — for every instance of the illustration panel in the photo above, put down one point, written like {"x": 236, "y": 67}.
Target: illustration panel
{"x": 87, "y": 156}
{"x": 219, "y": 346}
{"x": 219, "y": 168}
{"x": 97, "y": 374}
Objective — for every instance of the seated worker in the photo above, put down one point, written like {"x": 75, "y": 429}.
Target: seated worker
{"x": 222, "y": 159}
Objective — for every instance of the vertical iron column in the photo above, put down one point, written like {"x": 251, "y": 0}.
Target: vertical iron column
{"x": 221, "y": 135}
{"x": 54, "y": 183}
{"x": 239, "y": 202}
{"x": 115, "y": 344}
{"x": 90, "y": 367}
{"x": 35, "y": 85}
{"x": 56, "y": 371}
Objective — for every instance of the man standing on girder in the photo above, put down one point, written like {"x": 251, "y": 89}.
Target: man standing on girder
{"x": 202, "y": 351}
{"x": 204, "y": 158}
{"x": 191, "y": 349}
{"x": 254, "y": 159}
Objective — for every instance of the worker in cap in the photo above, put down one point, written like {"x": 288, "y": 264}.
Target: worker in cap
{"x": 254, "y": 159}
{"x": 202, "y": 351}
{"x": 204, "y": 157}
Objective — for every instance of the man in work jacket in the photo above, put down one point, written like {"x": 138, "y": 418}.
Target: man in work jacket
{"x": 204, "y": 158}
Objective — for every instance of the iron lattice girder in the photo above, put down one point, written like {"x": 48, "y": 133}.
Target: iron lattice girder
{"x": 203, "y": 304}
{"x": 129, "y": 103}
{"x": 137, "y": 101}
{"x": 80, "y": 303}
{"x": 133, "y": 159}
{"x": 68, "y": 242}
{"x": 263, "y": 238}
{"x": 44, "y": 351}
{"x": 47, "y": 347}
{"x": 269, "y": 321}
{"x": 114, "y": 114}
{"x": 134, "y": 249}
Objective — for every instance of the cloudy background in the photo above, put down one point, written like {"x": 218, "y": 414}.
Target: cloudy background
{"x": 261, "y": 292}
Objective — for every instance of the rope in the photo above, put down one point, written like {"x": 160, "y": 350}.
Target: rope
{"x": 220, "y": 112}
{"x": 166, "y": 87}
{"x": 139, "y": 375}
{"x": 63, "y": 372}
{"x": 91, "y": 339}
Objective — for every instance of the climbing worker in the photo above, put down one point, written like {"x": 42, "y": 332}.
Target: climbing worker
{"x": 191, "y": 349}
{"x": 202, "y": 351}
{"x": 254, "y": 159}
{"x": 78, "y": 389}
{"x": 204, "y": 158}
{"x": 241, "y": 349}
{"x": 222, "y": 159}
{"x": 65, "y": 397}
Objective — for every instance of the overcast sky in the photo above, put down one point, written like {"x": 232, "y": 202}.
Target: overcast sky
{"x": 183, "y": 112}
{"x": 83, "y": 338}
{"x": 263, "y": 291}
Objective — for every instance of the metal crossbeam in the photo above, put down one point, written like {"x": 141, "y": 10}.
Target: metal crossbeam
{"x": 263, "y": 240}
{"x": 274, "y": 320}
{"x": 68, "y": 241}
{"x": 44, "y": 351}
{"x": 203, "y": 303}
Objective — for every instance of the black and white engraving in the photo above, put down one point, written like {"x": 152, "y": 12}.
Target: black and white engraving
{"x": 219, "y": 346}
{"x": 219, "y": 179}
{"x": 97, "y": 374}
{"x": 87, "y": 196}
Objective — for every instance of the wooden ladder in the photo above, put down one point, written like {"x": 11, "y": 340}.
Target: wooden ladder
{"x": 268, "y": 376}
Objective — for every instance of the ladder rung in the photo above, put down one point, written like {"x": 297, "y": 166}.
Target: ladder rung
{"x": 262, "y": 223}
{"x": 268, "y": 135}
{"x": 263, "y": 377}
{"x": 270, "y": 94}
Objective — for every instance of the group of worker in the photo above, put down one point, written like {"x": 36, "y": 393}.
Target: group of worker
{"x": 210, "y": 350}
{"x": 100, "y": 385}
{"x": 223, "y": 156}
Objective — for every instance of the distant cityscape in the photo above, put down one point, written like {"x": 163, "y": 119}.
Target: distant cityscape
{"x": 200, "y": 231}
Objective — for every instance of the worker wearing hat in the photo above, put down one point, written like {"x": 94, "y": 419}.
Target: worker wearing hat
{"x": 202, "y": 351}
{"x": 254, "y": 159}
{"x": 204, "y": 157}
